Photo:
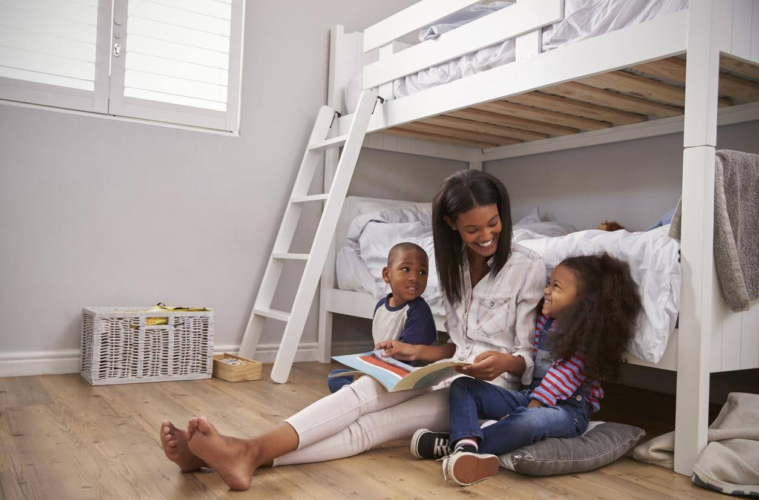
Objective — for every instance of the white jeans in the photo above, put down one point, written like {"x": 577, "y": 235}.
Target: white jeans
{"x": 361, "y": 416}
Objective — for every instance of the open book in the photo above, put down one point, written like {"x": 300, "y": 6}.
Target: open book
{"x": 396, "y": 375}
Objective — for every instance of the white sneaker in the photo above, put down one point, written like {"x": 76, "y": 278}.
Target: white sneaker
{"x": 468, "y": 468}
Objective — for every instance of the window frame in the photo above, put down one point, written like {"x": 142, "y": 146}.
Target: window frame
{"x": 108, "y": 95}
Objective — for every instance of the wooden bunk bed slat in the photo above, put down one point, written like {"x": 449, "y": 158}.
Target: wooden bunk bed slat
{"x": 623, "y": 102}
{"x": 731, "y": 86}
{"x": 671, "y": 68}
{"x": 542, "y": 115}
{"x": 739, "y": 67}
{"x": 459, "y": 134}
{"x": 485, "y": 128}
{"x": 513, "y": 122}
{"x": 576, "y": 108}
{"x": 738, "y": 88}
{"x": 401, "y": 132}
{"x": 646, "y": 88}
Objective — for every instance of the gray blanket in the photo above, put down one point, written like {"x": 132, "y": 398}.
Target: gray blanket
{"x": 730, "y": 462}
{"x": 736, "y": 227}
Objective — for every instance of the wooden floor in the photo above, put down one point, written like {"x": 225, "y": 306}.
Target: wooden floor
{"x": 62, "y": 439}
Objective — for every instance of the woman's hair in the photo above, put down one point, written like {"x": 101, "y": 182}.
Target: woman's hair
{"x": 602, "y": 319}
{"x": 460, "y": 193}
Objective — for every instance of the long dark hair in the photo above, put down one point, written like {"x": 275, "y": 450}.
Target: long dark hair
{"x": 460, "y": 193}
{"x": 602, "y": 319}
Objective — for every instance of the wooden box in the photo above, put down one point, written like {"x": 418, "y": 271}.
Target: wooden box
{"x": 239, "y": 370}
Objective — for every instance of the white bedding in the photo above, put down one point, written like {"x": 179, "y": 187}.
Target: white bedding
{"x": 653, "y": 257}
{"x": 583, "y": 19}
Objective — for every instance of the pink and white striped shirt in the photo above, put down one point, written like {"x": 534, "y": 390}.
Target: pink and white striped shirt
{"x": 563, "y": 377}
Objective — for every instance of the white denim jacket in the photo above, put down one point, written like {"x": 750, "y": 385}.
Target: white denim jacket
{"x": 499, "y": 314}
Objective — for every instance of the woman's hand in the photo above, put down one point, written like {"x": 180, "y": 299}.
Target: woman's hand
{"x": 398, "y": 350}
{"x": 489, "y": 365}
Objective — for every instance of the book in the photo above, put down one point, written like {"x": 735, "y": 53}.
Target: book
{"x": 396, "y": 375}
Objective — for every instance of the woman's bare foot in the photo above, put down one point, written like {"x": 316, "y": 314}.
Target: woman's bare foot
{"x": 174, "y": 442}
{"x": 233, "y": 459}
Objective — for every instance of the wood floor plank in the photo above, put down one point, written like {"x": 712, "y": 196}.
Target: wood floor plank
{"x": 131, "y": 462}
{"x": 22, "y": 391}
{"x": 102, "y": 442}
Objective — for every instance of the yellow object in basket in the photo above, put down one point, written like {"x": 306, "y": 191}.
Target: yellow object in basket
{"x": 161, "y": 307}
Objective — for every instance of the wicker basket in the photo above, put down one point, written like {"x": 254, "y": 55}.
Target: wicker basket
{"x": 120, "y": 346}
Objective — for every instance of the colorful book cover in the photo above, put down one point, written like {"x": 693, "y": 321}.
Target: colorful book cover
{"x": 396, "y": 375}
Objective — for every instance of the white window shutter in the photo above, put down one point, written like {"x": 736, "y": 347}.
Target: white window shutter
{"x": 179, "y": 61}
{"x": 55, "y": 52}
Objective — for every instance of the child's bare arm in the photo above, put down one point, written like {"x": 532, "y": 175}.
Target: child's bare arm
{"x": 408, "y": 352}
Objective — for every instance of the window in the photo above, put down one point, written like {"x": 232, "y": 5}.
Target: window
{"x": 176, "y": 61}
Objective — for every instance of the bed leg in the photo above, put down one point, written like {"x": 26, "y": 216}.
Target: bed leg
{"x": 697, "y": 237}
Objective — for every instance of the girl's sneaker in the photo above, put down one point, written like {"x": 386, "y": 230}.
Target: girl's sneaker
{"x": 468, "y": 468}
{"x": 428, "y": 444}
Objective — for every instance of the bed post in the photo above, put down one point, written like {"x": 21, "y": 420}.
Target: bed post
{"x": 697, "y": 308}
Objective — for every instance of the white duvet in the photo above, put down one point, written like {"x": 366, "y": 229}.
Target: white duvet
{"x": 653, "y": 257}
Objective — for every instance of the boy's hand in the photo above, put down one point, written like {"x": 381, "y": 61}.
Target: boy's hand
{"x": 487, "y": 365}
{"x": 398, "y": 350}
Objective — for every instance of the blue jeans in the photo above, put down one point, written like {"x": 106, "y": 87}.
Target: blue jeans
{"x": 472, "y": 400}
{"x": 336, "y": 383}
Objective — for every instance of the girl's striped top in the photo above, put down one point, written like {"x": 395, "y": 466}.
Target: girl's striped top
{"x": 563, "y": 377}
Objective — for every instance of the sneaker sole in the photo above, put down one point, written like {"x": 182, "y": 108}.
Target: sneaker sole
{"x": 415, "y": 442}
{"x": 470, "y": 469}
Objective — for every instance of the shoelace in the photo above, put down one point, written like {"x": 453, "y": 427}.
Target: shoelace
{"x": 441, "y": 447}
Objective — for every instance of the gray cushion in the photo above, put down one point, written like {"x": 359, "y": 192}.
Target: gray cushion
{"x": 601, "y": 444}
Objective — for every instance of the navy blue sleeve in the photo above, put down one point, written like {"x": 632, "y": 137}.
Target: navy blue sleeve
{"x": 420, "y": 325}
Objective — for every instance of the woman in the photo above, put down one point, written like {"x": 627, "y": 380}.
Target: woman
{"x": 492, "y": 288}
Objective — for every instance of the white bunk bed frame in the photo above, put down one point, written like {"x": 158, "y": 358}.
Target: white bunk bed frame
{"x": 716, "y": 35}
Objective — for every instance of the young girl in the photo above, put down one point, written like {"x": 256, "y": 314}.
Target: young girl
{"x": 492, "y": 290}
{"x": 590, "y": 306}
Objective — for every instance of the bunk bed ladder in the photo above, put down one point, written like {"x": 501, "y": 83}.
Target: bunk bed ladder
{"x": 316, "y": 258}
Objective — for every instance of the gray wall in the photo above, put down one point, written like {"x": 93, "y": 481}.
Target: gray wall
{"x": 97, "y": 212}
{"x": 632, "y": 182}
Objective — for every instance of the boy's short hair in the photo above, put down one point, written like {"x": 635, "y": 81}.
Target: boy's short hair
{"x": 406, "y": 245}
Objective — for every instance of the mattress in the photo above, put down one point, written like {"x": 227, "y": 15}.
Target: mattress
{"x": 377, "y": 225}
{"x": 583, "y": 19}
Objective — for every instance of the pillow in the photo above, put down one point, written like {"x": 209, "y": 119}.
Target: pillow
{"x": 602, "y": 443}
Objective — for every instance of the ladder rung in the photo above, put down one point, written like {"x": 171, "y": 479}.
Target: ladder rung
{"x": 273, "y": 314}
{"x": 335, "y": 142}
{"x": 290, "y": 256}
{"x": 306, "y": 199}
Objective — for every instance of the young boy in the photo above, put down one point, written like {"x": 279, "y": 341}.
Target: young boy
{"x": 402, "y": 315}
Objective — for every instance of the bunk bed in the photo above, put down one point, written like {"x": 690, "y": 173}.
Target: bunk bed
{"x": 688, "y": 71}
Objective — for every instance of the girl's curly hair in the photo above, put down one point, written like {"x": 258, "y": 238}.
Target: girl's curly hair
{"x": 602, "y": 319}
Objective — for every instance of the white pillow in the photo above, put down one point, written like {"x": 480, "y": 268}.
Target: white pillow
{"x": 654, "y": 260}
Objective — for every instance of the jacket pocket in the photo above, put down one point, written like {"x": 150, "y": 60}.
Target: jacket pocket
{"x": 492, "y": 316}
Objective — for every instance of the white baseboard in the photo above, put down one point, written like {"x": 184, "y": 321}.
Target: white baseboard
{"x": 21, "y": 364}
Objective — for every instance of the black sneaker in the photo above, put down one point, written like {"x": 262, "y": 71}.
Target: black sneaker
{"x": 428, "y": 444}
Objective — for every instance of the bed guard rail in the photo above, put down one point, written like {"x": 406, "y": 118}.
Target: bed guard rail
{"x": 523, "y": 21}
